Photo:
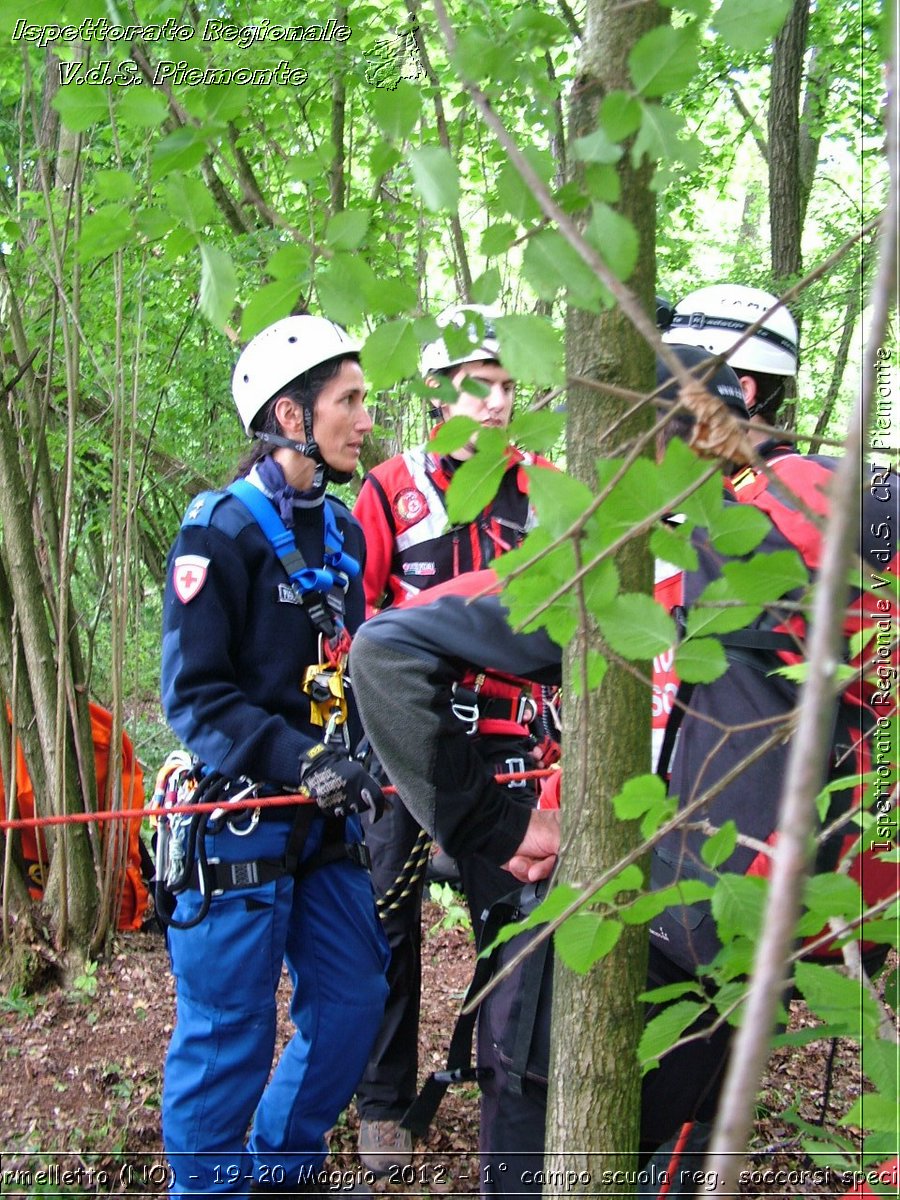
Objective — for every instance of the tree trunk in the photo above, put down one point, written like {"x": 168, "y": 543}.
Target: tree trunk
{"x": 787, "y": 195}
{"x": 594, "y": 1099}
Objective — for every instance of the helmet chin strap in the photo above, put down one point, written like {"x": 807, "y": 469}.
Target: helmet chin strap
{"x": 308, "y": 449}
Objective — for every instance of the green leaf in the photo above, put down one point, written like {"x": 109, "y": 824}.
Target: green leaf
{"x": 80, "y": 107}
{"x": 628, "y": 880}
{"x": 475, "y": 483}
{"x": 346, "y": 230}
{"x": 558, "y": 499}
{"x": 798, "y": 672}
{"x": 591, "y": 675}
{"x": 390, "y": 353}
{"x": 620, "y": 115}
{"x": 664, "y": 1030}
{"x": 615, "y": 238}
{"x": 303, "y": 168}
{"x": 343, "y": 288}
{"x": 384, "y": 158}
{"x": 289, "y": 262}
{"x": 396, "y": 111}
{"x": 584, "y": 938}
{"x": 189, "y": 201}
{"x": 664, "y": 60}
{"x": 635, "y": 626}
{"x": 389, "y": 297}
{"x": 486, "y": 287}
{"x": 141, "y": 108}
{"x": 700, "y": 660}
{"x": 874, "y": 1111}
{"x": 269, "y": 303}
{"x": 435, "y": 177}
{"x": 180, "y": 151}
{"x": 738, "y": 529}
{"x": 637, "y": 796}
{"x": 892, "y": 989}
{"x": 658, "y": 136}
{"x": 532, "y": 349}
{"x": 538, "y": 581}
{"x": 553, "y": 905}
{"x": 600, "y": 183}
{"x": 719, "y": 846}
{"x": 697, "y": 8}
{"x": 837, "y": 1000}
{"x": 478, "y": 56}
{"x": 645, "y": 908}
{"x": 218, "y": 284}
{"x": 766, "y": 577}
{"x": 497, "y": 238}
{"x": 669, "y": 544}
{"x": 829, "y": 895}
{"x": 551, "y": 264}
{"x": 514, "y": 194}
{"x": 597, "y": 147}
{"x": 879, "y": 1058}
{"x": 670, "y": 991}
{"x": 537, "y": 431}
{"x": 750, "y": 29}
{"x": 738, "y": 903}
{"x": 153, "y": 223}
{"x": 223, "y": 102}
{"x": 635, "y": 495}
{"x": 454, "y": 434}
{"x": 103, "y": 231}
{"x": 115, "y": 185}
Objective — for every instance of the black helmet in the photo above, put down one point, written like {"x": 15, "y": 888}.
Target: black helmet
{"x": 724, "y": 383}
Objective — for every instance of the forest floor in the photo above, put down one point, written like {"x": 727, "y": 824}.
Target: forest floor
{"x": 80, "y": 1077}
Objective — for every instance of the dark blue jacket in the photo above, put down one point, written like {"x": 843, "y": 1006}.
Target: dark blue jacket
{"x": 235, "y": 654}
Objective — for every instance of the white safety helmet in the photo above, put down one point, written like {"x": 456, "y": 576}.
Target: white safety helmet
{"x": 279, "y": 354}
{"x": 480, "y": 334}
{"x": 715, "y": 317}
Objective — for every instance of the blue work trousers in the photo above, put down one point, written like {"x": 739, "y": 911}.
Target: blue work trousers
{"x": 227, "y": 968}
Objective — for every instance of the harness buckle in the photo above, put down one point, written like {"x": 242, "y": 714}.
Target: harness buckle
{"x": 465, "y": 712}
{"x": 516, "y": 766}
{"x": 359, "y": 855}
{"x": 527, "y": 710}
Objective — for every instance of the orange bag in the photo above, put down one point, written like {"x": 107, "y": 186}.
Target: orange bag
{"x": 134, "y": 891}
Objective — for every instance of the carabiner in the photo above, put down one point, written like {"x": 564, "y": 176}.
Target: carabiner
{"x": 335, "y": 723}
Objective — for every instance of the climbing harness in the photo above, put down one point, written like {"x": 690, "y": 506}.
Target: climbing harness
{"x": 182, "y": 860}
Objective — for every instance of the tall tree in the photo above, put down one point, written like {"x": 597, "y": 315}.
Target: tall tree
{"x": 594, "y": 1100}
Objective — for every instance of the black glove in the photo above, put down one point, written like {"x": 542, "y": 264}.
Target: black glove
{"x": 339, "y": 784}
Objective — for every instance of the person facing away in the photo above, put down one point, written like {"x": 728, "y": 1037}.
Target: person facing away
{"x": 411, "y": 548}
{"x": 410, "y": 657}
{"x": 263, "y": 592}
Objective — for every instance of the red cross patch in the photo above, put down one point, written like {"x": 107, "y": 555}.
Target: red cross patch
{"x": 189, "y": 576}
{"x": 410, "y": 506}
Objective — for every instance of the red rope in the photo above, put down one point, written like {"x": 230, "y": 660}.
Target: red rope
{"x": 675, "y": 1158}
{"x": 137, "y": 814}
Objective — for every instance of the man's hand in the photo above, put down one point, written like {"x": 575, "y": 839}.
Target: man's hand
{"x": 339, "y": 784}
{"x": 536, "y": 855}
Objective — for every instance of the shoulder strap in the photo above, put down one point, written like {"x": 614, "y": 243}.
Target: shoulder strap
{"x": 308, "y": 579}
{"x": 532, "y": 976}
{"x": 420, "y": 1114}
{"x": 279, "y": 536}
